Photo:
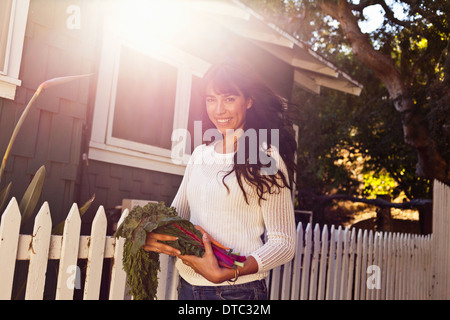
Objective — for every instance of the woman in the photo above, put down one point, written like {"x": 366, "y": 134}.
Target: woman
{"x": 228, "y": 190}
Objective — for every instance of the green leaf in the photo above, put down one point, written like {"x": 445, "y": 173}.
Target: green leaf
{"x": 32, "y": 194}
{"x": 4, "y": 196}
{"x": 86, "y": 205}
{"x": 59, "y": 228}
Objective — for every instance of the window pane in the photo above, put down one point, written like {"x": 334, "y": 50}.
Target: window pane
{"x": 145, "y": 99}
{"x": 5, "y": 18}
{"x": 196, "y": 107}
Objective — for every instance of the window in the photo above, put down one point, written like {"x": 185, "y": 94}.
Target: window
{"x": 145, "y": 99}
{"x": 13, "y": 19}
{"x": 195, "y": 114}
{"x": 5, "y": 33}
{"x": 144, "y": 94}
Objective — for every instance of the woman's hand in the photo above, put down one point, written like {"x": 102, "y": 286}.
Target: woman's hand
{"x": 207, "y": 265}
{"x": 152, "y": 244}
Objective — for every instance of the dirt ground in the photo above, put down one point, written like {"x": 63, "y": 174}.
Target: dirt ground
{"x": 363, "y": 216}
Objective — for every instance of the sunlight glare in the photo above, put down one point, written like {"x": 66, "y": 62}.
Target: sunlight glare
{"x": 138, "y": 19}
{"x": 375, "y": 16}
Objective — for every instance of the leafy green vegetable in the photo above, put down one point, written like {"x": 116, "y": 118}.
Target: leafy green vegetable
{"x": 142, "y": 272}
{"x": 142, "y": 267}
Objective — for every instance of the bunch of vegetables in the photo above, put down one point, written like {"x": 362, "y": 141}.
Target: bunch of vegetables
{"x": 141, "y": 266}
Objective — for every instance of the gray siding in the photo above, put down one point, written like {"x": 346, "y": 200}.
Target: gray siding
{"x": 111, "y": 183}
{"x": 52, "y": 133}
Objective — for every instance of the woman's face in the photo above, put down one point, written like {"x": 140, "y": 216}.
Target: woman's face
{"x": 227, "y": 111}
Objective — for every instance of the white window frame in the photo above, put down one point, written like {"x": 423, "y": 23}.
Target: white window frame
{"x": 9, "y": 78}
{"x": 107, "y": 148}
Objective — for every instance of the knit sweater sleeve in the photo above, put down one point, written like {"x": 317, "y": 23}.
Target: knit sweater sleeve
{"x": 278, "y": 215}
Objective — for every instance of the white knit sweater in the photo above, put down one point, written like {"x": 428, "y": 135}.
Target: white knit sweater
{"x": 204, "y": 200}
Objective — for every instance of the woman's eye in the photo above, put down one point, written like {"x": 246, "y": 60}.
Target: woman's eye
{"x": 210, "y": 100}
{"x": 230, "y": 99}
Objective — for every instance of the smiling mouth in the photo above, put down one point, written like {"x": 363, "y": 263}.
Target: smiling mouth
{"x": 223, "y": 121}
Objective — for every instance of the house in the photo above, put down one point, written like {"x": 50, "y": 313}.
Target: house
{"x": 110, "y": 134}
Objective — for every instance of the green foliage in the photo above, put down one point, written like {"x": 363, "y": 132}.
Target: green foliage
{"x": 31, "y": 196}
{"x": 141, "y": 266}
{"x": 369, "y": 125}
{"x": 142, "y": 272}
{"x": 380, "y": 183}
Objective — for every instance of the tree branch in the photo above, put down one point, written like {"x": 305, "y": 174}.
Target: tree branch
{"x": 413, "y": 204}
{"x": 430, "y": 163}
{"x": 388, "y": 12}
{"x": 381, "y": 64}
{"x": 362, "y": 5}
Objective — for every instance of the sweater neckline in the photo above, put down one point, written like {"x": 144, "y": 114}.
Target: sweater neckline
{"x": 219, "y": 154}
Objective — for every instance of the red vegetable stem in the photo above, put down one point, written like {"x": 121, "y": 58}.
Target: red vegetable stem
{"x": 235, "y": 257}
{"x": 224, "y": 257}
{"x": 193, "y": 236}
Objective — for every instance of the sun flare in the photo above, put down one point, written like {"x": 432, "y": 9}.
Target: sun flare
{"x": 137, "y": 19}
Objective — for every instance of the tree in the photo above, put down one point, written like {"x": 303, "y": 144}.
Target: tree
{"x": 409, "y": 57}
{"x": 397, "y": 79}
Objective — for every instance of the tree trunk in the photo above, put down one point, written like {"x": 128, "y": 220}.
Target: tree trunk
{"x": 430, "y": 163}
{"x": 384, "y": 217}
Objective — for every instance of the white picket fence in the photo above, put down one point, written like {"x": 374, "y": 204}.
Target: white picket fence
{"x": 329, "y": 264}
{"x": 42, "y": 246}
{"x": 441, "y": 241}
{"x": 344, "y": 264}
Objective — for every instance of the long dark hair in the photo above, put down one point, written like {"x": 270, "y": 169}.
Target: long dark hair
{"x": 268, "y": 112}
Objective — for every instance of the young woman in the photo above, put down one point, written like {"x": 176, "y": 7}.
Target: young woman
{"x": 231, "y": 190}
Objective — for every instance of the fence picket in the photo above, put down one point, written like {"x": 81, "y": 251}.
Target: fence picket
{"x": 383, "y": 258}
{"x": 391, "y": 268}
{"x": 404, "y": 254}
{"x": 338, "y": 265}
{"x": 323, "y": 264}
{"x": 174, "y": 280}
{"x": 404, "y": 263}
{"x": 306, "y": 264}
{"x": 378, "y": 243}
{"x": 95, "y": 257}
{"x": 345, "y": 261}
{"x": 9, "y": 239}
{"x": 118, "y": 275}
{"x": 421, "y": 266}
{"x": 314, "y": 264}
{"x": 297, "y": 264}
{"x": 162, "y": 276}
{"x": 398, "y": 267}
{"x": 352, "y": 254}
{"x": 67, "y": 274}
{"x": 368, "y": 257}
{"x": 39, "y": 248}
{"x": 416, "y": 274}
{"x": 359, "y": 245}
{"x": 331, "y": 263}
{"x": 409, "y": 262}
